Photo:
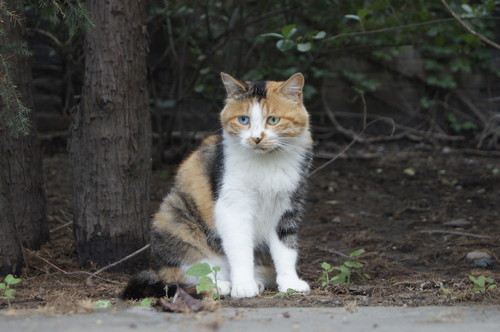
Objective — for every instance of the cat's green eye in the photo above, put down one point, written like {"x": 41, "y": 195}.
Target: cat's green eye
{"x": 273, "y": 120}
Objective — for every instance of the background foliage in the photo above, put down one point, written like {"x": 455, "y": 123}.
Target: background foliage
{"x": 354, "y": 44}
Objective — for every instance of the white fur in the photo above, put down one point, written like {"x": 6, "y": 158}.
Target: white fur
{"x": 255, "y": 192}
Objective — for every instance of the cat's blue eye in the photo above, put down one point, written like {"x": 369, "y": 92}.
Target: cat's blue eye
{"x": 244, "y": 120}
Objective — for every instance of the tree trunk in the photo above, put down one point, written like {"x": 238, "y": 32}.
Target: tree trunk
{"x": 22, "y": 194}
{"x": 11, "y": 256}
{"x": 111, "y": 136}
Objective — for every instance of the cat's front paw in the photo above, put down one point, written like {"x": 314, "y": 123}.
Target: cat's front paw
{"x": 224, "y": 287}
{"x": 245, "y": 289}
{"x": 296, "y": 284}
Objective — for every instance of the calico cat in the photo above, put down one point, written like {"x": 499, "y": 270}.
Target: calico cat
{"x": 238, "y": 199}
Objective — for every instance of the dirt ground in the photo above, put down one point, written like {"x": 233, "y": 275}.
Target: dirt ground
{"x": 416, "y": 210}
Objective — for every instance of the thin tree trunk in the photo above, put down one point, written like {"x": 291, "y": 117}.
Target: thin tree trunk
{"x": 111, "y": 136}
{"x": 22, "y": 195}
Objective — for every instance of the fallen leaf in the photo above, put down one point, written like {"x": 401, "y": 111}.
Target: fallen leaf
{"x": 409, "y": 171}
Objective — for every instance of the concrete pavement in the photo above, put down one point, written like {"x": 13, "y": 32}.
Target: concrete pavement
{"x": 400, "y": 319}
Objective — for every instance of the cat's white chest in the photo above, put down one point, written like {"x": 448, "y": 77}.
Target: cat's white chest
{"x": 262, "y": 188}
{"x": 263, "y": 175}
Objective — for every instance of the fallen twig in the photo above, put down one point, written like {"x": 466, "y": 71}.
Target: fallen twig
{"x": 437, "y": 231}
{"x": 60, "y": 227}
{"x": 135, "y": 253}
{"x": 66, "y": 272}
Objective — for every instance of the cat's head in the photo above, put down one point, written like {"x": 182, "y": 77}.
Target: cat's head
{"x": 265, "y": 116}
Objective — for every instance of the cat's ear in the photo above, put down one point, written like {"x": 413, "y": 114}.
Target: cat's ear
{"x": 293, "y": 86}
{"x": 233, "y": 86}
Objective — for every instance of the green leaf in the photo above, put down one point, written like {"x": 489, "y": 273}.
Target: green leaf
{"x": 205, "y": 284}
{"x": 289, "y": 30}
{"x": 341, "y": 278}
{"x": 146, "y": 302}
{"x": 426, "y": 103}
{"x": 489, "y": 280}
{"x": 9, "y": 293}
{"x": 362, "y": 13}
{"x": 216, "y": 268}
{"x": 325, "y": 266}
{"x": 272, "y": 34}
{"x": 199, "y": 270}
{"x": 304, "y": 47}
{"x": 356, "y": 253}
{"x": 11, "y": 280}
{"x": 467, "y": 8}
{"x": 2, "y": 285}
{"x": 355, "y": 265}
{"x": 102, "y": 304}
{"x": 284, "y": 44}
{"x": 320, "y": 35}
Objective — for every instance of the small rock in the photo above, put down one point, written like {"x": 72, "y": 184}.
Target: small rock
{"x": 446, "y": 149}
{"x": 475, "y": 255}
{"x": 484, "y": 262}
{"x": 457, "y": 223}
{"x": 336, "y": 220}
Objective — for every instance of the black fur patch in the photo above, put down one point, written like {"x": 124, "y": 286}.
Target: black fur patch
{"x": 216, "y": 169}
{"x": 258, "y": 90}
{"x": 254, "y": 90}
{"x": 164, "y": 249}
{"x": 288, "y": 226}
{"x": 147, "y": 284}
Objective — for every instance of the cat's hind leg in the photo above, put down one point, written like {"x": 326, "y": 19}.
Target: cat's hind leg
{"x": 265, "y": 276}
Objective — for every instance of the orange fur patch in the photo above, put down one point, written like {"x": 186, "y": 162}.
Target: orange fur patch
{"x": 192, "y": 179}
{"x": 172, "y": 275}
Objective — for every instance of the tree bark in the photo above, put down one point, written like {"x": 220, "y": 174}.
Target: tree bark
{"x": 11, "y": 256}
{"x": 111, "y": 136}
{"x": 22, "y": 198}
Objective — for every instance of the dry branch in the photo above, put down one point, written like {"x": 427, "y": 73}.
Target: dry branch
{"x": 135, "y": 253}
{"x": 437, "y": 231}
{"x": 469, "y": 28}
{"x": 69, "y": 273}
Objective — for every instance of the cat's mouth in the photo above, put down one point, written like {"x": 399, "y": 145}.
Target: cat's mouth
{"x": 264, "y": 148}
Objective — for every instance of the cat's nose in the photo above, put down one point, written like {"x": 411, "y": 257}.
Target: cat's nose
{"x": 257, "y": 139}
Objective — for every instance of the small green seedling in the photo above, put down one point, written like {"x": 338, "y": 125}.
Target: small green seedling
{"x": 146, "y": 302}
{"x": 345, "y": 270}
{"x": 5, "y": 287}
{"x": 288, "y": 293}
{"x": 205, "y": 284}
{"x": 482, "y": 283}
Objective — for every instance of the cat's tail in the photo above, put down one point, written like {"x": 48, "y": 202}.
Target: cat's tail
{"x": 150, "y": 284}
{"x": 147, "y": 284}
